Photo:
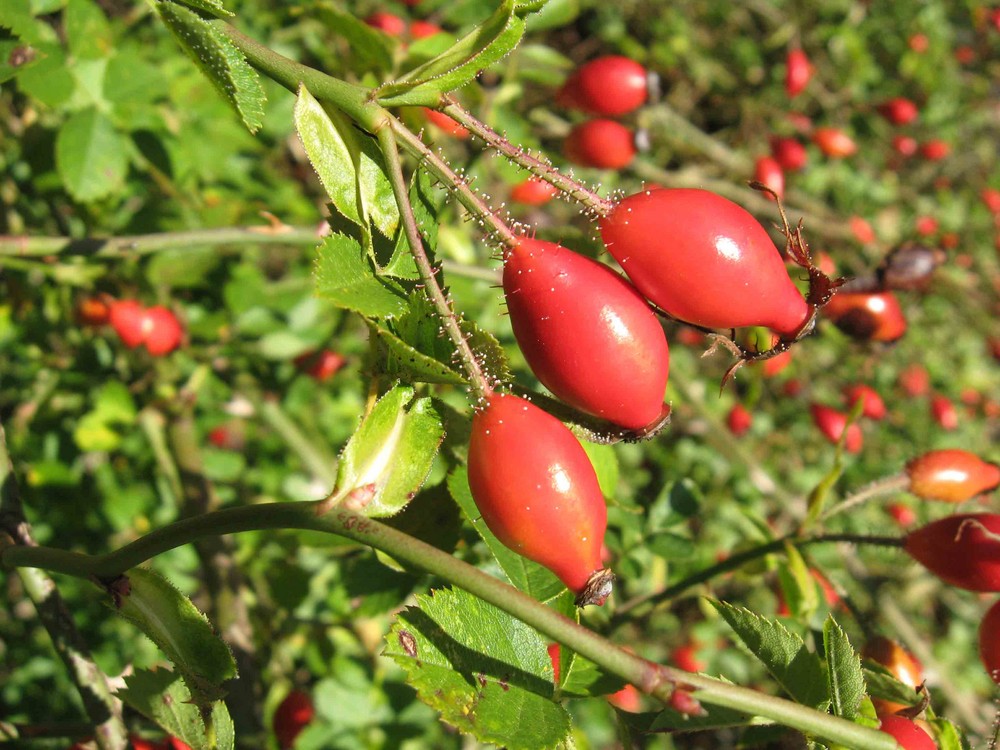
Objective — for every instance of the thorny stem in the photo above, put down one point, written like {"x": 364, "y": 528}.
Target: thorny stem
{"x": 536, "y": 165}
{"x": 103, "y": 709}
{"x": 658, "y": 681}
{"x": 740, "y": 559}
{"x": 481, "y": 387}
{"x": 879, "y": 487}
{"x": 465, "y": 194}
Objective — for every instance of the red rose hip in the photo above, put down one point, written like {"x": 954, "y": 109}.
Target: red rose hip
{"x": 798, "y": 71}
{"x": 587, "y": 334}
{"x": 832, "y": 424}
{"x": 291, "y": 717}
{"x": 538, "y": 493}
{"x": 704, "y": 260}
{"x": 906, "y": 732}
{"x": 963, "y": 550}
{"x": 989, "y": 642}
{"x": 951, "y": 475}
{"x": 608, "y": 86}
{"x": 602, "y": 144}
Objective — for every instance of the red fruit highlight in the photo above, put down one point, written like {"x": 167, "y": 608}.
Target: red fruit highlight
{"x": 608, "y": 86}
{"x": 769, "y": 172}
{"x": 989, "y": 642}
{"x": 292, "y": 716}
{"x": 162, "y": 332}
{"x": 798, "y": 71}
{"x": 587, "y": 334}
{"x": 126, "y": 317}
{"x": 873, "y": 405}
{"x": 834, "y": 142}
{"x": 951, "y": 475}
{"x": 899, "y": 111}
{"x": 628, "y": 699}
{"x": 602, "y": 144}
{"x": 962, "y": 550}
{"x": 904, "y": 145}
{"x": 832, "y": 424}
{"x": 906, "y": 733}
{"x": 935, "y": 150}
{"x": 869, "y": 316}
{"x": 533, "y": 192}
{"x": 538, "y": 492}
{"x": 704, "y": 260}
{"x": 915, "y": 380}
{"x": 789, "y": 153}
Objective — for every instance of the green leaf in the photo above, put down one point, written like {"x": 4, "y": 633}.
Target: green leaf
{"x": 218, "y": 59}
{"x": 490, "y": 42}
{"x": 349, "y": 165}
{"x": 847, "y": 683}
{"x": 530, "y": 577}
{"x": 48, "y": 80}
{"x": 487, "y": 673}
{"x": 406, "y": 363}
{"x": 344, "y": 274}
{"x": 669, "y": 546}
{"x": 88, "y": 33}
{"x": 947, "y": 736}
{"x": 799, "y": 672}
{"x": 92, "y": 433}
{"x": 16, "y": 57}
{"x": 580, "y": 677}
{"x": 91, "y": 155}
{"x": 114, "y": 404}
{"x": 371, "y": 47}
{"x": 161, "y": 696}
{"x": 389, "y": 456}
{"x": 798, "y": 586}
{"x": 605, "y": 462}
{"x": 427, "y": 202}
{"x": 174, "y": 624}
{"x": 883, "y": 685}
{"x": 214, "y": 7}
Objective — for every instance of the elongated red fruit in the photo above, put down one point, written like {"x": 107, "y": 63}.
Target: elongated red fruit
{"x": 952, "y": 475}
{"x": 704, "y": 260}
{"x": 291, "y": 717}
{"x": 610, "y": 86}
{"x": 989, "y": 642}
{"x": 538, "y": 493}
{"x": 587, "y": 334}
{"x": 963, "y": 550}
{"x": 798, "y": 71}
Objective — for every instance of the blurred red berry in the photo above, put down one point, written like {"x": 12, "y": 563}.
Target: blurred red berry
{"x": 533, "y": 192}
{"x": 935, "y": 150}
{"x": 944, "y": 412}
{"x": 739, "y": 420}
{"x": 861, "y": 230}
{"x": 899, "y": 111}
{"x": 798, "y": 71}
{"x": 834, "y": 142}
{"x": 423, "y": 29}
{"x": 919, "y": 43}
{"x": 291, "y": 716}
{"x": 685, "y": 657}
{"x": 904, "y": 145}
{"x": 867, "y": 316}
{"x": 445, "y": 124}
{"x": 92, "y": 311}
{"x": 162, "y": 332}
{"x": 915, "y": 380}
{"x": 965, "y": 55}
{"x": 768, "y": 172}
{"x": 873, "y": 405}
{"x": 628, "y": 699}
{"x": 989, "y": 642}
{"x": 126, "y": 317}
{"x": 321, "y": 365}
{"x": 832, "y": 424}
{"x": 607, "y": 86}
{"x": 926, "y": 225}
{"x": 902, "y": 514}
{"x": 991, "y": 199}
{"x": 391, "y": 24}
{"x": 789, "y": 153}
{"x": 906, "y": 733}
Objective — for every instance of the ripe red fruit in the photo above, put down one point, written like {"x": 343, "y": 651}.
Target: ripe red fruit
{"x": 628, "y": 699}
{"x": 798, "y": 71}
{"x": 173, "y": 743}
{"x": 587, "y": 334}
{"x": 769, "y": 172}
{"x": 944, "y": 413}
{"x": 919, "y": 43}
{"x": 533, "y": 192}
{"x": 963, "y": 550}
{"x": 834, "y": 142}
{"x": 899, "y": 111}
{"x": 445, "y": 124}
{"x": 874, "y": 406}
{"x": 138, "y": 743}
{"x": 538, "y": 493}
{"x": 609, "y": 86}
{"x": 553, "y": 649}
{"x": 423, "y": 29}
{"x": 935, "y": 150}
{"x": 926, "y": 225}
{"x": 92, "y": 311}
{"x": 965, "y": 55}
{"x": 789, "y": 153}
{"x": 951, "y": 475}
{"x": 870, "y": 316}
{"x": 832, "y": 424}
{"x": 321, "y": 365}
{"x": 915, "y": 380}
{"x": 603, "y": 144}
{"x": 772, "y": 366}
{"x": 989, "y": 642}
{"x": 861, "y": 230}
{"x": 291, "y": 717}
{"x": 739, "y": 420}
{"x": 126, "y": 317}
{"x": 685, "y": 657}
{"x": 704, "y": 260}
{"x": 904, "y": 145}
{"x": 991, "y": 199}
{"x": 906, "y": 733}
{"x": 901, "y": 664}
{"x": 902, "y": 514}
{"x": 162, "y": 332}
{"x": 391, "y": 24}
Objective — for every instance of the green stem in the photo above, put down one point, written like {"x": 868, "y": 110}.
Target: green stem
{"x": 734, "y": 562}
{"x": 101, "y": 706}
{"x": 387, "y": 142}
{"x": 884, "y": 486}
{"x": 322, "y": 466}
{"x": 654, "y": 679}
{"x": 466, "y": 195}
{"x": 354, "y": 101}
{"x": 538, "y": 166}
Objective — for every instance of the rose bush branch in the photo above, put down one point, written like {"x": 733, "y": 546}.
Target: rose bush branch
{"x": 104, "y": 710}
{"x": 658, "y": 681}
